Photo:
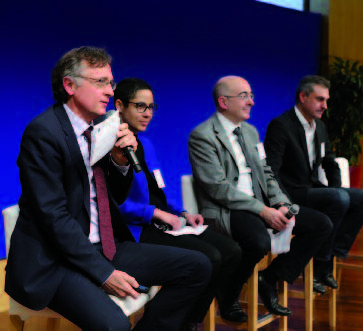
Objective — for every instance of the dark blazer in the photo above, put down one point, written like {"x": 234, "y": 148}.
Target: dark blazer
{"x": 52, "y": 230}
{"x": 215, "y": 172}
{"x": 287, "y": 154}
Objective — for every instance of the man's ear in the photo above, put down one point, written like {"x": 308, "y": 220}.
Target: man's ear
{"x": 222, "y": 101}
{"x": 302, "y": 96}
{"x": 69, "y": 85}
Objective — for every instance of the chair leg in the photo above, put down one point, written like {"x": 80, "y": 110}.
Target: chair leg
{"x": 210, "y": 318}
{"x": 309, "y": 296}
{"x": 282, "y": 288}
{"x": 333, "y": 302}
{"x": 53, "y": 324}
{"x": 17, "y": 322}
{"x": 338, "y": 271}
{"x": 252, "y": 285}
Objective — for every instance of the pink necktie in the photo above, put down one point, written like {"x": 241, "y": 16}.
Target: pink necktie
{"x": 104, "y": 216}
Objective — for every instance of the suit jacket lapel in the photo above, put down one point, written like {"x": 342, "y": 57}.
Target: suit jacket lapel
{"x": 74, "y": 150}
{"x": 222, "y": 136}
{"x": 317, "y": 142}
{"x": 251, "y": 146}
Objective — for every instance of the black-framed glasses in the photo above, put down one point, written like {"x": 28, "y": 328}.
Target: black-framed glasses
{"x": 142, "y": 106}
{"x": 100, "y": 82}
{"x": 242, "y": 95}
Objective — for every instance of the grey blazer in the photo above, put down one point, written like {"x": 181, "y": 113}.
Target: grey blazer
{"x": 215, "y": 173}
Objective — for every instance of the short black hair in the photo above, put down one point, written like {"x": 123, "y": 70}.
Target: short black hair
{"x": 127, "y": 88}
{"x": 307, "y": 84}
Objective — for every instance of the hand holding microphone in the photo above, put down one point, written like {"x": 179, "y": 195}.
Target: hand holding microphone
{"x": 126, "y": 141}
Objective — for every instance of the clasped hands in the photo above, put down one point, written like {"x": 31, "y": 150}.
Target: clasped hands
{"x": 276, "y": 218}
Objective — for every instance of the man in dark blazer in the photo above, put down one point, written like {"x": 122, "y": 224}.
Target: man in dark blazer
{"x": 239, "y": 195}
{"x": 298, "y": 150}
{"x": 58, "y": 256}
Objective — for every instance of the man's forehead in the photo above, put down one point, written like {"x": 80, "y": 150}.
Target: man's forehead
{"x": 321, "y": 90}
{"x": 85, "y": 66}
{"x": 240, "y": 85}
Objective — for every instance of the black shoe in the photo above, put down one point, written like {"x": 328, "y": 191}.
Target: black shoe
{"x": 318, "y": 287}
{"x": 232, "y": 312}
{"x": 190, "y": 326}
{"x": 329, "y": 280}
{"x": 268, "y": 295}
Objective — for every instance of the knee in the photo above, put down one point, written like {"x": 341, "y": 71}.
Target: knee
{"x": 261, "y": 245}
{"x": 230, "y": 255}
{"x": 234, "y": 254}
{"x": 323, "y": 224}
{"x": 341, "y": 200}
{"x": 356, "y": 199}
{"x": 215, "y": 258}
{"x": 201, "y": 265}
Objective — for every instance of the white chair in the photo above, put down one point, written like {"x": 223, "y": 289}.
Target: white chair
{"x": 254, "y": 323}
{"x": 20, "y": 314}
{"x": 344, "y": 172}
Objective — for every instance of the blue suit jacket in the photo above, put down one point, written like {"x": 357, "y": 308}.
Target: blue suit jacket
{"x": 136, "y": 209}
{"x": 51, "y": 234}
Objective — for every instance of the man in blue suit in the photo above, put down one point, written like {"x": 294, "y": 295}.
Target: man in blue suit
{"x": 59, "y": 256}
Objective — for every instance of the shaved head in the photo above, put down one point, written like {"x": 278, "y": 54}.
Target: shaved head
{"x": 226, "y": 86}
{"x": 233, "y": 98}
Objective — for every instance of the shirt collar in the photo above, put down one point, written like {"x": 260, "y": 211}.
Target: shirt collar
{"x": 227, "y": 124}
{"x": 303, "y": 120}
{"x": 79, "y": 125}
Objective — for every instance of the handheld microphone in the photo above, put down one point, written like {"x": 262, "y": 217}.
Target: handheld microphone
{"x": 293, "y": 210}
{"x": 129, "y": 152}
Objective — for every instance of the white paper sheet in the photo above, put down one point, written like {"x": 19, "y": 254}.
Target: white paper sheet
{"x": 188, "y": 230}
{"x": 104, "y": 136}
{"x": 280, "y": 241}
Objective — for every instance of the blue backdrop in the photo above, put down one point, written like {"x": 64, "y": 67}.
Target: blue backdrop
{"x": 180, "y": 47}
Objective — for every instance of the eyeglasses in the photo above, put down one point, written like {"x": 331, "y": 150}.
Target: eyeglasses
{"x": 100, "y": 82}
{"x": 142, "y": 106}
{"x": 242, "y": 95}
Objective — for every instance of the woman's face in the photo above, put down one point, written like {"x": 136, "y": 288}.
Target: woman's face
{"x": 135, "y": 114}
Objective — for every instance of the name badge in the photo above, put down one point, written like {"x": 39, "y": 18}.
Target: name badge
{"x": 261, "y": 151}
{"x": 159, "y": 178}
{"x": 322, "y": 150}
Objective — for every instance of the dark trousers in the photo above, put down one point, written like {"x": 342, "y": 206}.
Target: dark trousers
{"x": 223, "y": 253}
{"x": 250, "y": 231}
{"x": 345, "y": 209}
{"x": 182, "y": 273}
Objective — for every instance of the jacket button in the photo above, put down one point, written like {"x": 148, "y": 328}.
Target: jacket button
{"x": 235, "y": 179}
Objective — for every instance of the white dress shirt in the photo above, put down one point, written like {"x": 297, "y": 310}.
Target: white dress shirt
{"x": 244, "y": 179}
{"x": 79, "y": 126}
{"x": 310, "y": 129}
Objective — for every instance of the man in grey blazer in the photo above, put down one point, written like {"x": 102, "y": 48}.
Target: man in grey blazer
{"x": 239, "y": 195}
